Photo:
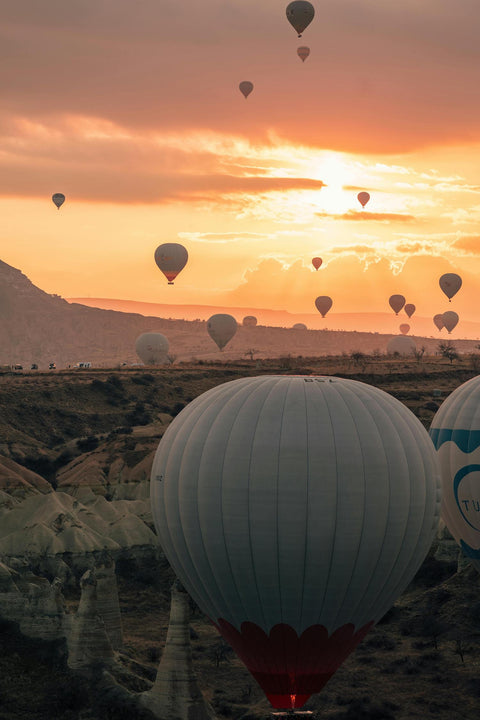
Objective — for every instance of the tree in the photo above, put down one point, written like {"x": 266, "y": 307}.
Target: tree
{"x": 251, "y": 352}
{"x": 418, "y": 354}
{"x": 448, "y": 351}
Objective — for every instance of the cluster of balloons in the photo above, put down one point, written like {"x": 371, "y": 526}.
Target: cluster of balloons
{"x": 450, "y": 284}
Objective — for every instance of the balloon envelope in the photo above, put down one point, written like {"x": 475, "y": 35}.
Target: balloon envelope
{"x": 300, "y": 14}
{"x": 303, "y": 52}
{"x": 396, "y": 302}
{"x": 171, "y": 258}
{"x": 450, "y": 283}
{"x": 455, "y": 432}
{"x": 299, "y": 326}
{"x": 295, "y": 510}
{"x": 404, "y": 328}
{"x": 363, "y": 198}
{"x": 249, "y": 321}
{"x": 323, "y": 303}
{"x": 401, "y": 345}
{"x": 409, "y": 309}
{"x": 221, "y": 328}
{"x": 246, "y": 88}
{"x": 152, "y": 348}
{"x": 438, "y": 320}
{"x": 316, "y": 262}
{"x": 450, "y": 320}
{"x": 58, "y": 199}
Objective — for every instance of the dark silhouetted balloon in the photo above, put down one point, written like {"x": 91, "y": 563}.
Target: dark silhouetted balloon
{"x": 171, "y": 258}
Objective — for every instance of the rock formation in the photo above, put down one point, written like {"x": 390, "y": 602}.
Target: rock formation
{"x": 175, "y": 694}
{"x": 108, "y": 606}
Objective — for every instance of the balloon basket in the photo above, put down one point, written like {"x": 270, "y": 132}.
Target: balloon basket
{"x": 292, "y": 713}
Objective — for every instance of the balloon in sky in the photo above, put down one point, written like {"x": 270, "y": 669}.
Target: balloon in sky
{"x": 450, "y": 284}
{"x": 401, "y": 345}
{"x": 295, "y": 510}
{"x": 249, "y": 321}
{"x": 300, "y": 14}
{"x": 221, "y": 328}
{"x": 299, "y": 326}
{"x": 246, "y": 88}
{"x": 396, "y": 302}
{"x": 171, "y": 258}
{"x": 409, "y": 309}
{"x": 404, "y": 328}
{"x": 152, "y": 348}
{"x": 58, "y": 199}
{"x": 303, "y": 52}
{"x": 363, "y": 198}
{"x": 450, "y": 320}
{"x": 455, "y": 432}
{"x": 323, "y": 303}
{"x": 438, "y": 320}
{"x": 316, "y": 262}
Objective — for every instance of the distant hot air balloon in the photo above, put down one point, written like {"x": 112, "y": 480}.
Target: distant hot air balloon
{"x": 295, "y": 510}
{"x": 404, "y": 328}
{"x": 221, "y": 328}
{"x": 450, "y": 320}
{"x": 363, "y": 198}
{"x": 450, "y": 284}
{"x": 455, "y": 432}
{"x": 300, "y": 14}
{"x": 396, "y": 302}
{"x": 171, "y": 258}
{"x": 401, "y": 345}
{"x": 152, "y": 348}
{"x": 438, "y": 320}
{"x": 246, "y": 88}
{"x": 316, "y": 262}
{"x": 299, "y": 326}
{"x": 409, "y": 309}
{"x": 58, "y": 199}
{"x": 323, "y": 303}
{"x": 303, "y": 52}
{"x": 249, "y": 321}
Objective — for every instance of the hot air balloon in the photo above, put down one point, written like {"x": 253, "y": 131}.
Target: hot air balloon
{"x": 171, "y": 258}
{"x": 323, "y": 303}
{"x": 58, "y": 199}
{"x": 303, "y": 52}
{"x": 438, "y": 320}
{"x": 299, "y": 326}
{"x": 246, "y": 88}
{"x": 455, "y": 432}
{"x": 316, "y": 262}
{"x": 300, "y": 14}
{"x": 295, "y": 510}
{"x": 249, "y": 321}
{"x": 401, "y": 345}
{"x": 363, "y": 198}
{"x": 152, "y": 348}
{"x": 450, "y": 283}
{"x": 221, "y": 328}
{"x": 396, "y": 302}
{"x": 409, "y": 309}
{"x": 404, "y": 328}
{"x": 450, "y": 320}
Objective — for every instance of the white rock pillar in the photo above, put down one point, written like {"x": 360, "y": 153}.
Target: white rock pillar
{"x": 88, "y": 641}
{"x": 108, "y": 606}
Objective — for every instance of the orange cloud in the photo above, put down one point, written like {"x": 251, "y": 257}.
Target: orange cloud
{"x": 360, "y": 216}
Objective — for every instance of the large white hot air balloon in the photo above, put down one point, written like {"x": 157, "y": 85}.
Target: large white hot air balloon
{"x": 295, "y": 510}
{"x": 396, "y": 302}
{"x": 221, "y": 328}
{"x": 171, "y": 258}
{"x": 303, "y": 52}
{"x": 438, "y": 320}
{"x": 152, "y": 348}
{"x": 363, "y": 198}
{"x": 58, "y": 199}
{"x": 450, "y": 284}
{"x": 401, "y": 345}
{"x": 455, "y": 432}
{"x": 249, "y": 321}
{"x": 450, "y": 320}
{"x": 323, "y": 303}
{"x": 300, "y": 14}
{"x": 409, "y": 309}
{"x": 246, "y": 88}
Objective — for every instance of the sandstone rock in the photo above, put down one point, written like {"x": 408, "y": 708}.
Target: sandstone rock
{"x": 88, "y": 640}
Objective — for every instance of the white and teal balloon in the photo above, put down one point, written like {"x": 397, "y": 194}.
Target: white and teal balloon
{"x": 455, "y": 432}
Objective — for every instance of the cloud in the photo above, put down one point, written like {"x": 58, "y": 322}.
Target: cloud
{"x": 360, "y": 216}
{"x": 224, "y": 237}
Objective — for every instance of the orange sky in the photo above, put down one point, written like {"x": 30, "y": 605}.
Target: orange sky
{"x": 133, "y": 111}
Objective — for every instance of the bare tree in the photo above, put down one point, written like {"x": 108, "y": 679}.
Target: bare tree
{"x": 448, "y": 351}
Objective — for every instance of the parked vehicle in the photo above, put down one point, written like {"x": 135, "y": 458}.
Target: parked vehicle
{"x": 52, "y": 366}
{"x": 34, "y": 366}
